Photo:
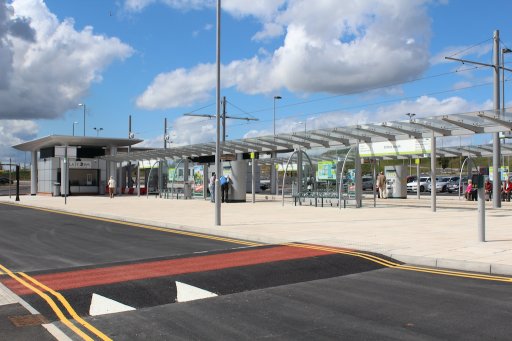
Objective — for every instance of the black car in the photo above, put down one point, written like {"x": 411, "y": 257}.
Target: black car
{"x": 4, "y": 180}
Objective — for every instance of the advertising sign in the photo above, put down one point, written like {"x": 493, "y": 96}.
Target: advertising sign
{"x": 326, "y": 170}
{"x": 504, "y": 173}
{"x": 401, "y": 147}
{"x": 198, "y": 185}
{"x": 170, "y": 173}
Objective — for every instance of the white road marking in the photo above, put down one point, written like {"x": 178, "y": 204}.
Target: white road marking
{"x": 101, "y": 305}
{"x": 189, "y": 293}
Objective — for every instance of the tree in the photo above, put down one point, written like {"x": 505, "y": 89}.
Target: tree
{"x": 444, "y": 162}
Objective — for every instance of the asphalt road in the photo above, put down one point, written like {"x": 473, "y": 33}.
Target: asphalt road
{"x": 280, "y": 292}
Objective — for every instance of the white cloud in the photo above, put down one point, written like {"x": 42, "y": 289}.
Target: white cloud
{"x": 47, "y": 75}
{"x": 139, "y": 5}
{"x": 185, "y": 130}
{"x": 178, "y": 88}
{"x": 329, "y": 46}
{"x": 14, "y": 132}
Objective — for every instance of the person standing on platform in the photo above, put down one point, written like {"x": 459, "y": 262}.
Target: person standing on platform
{"x": 381, "y": 183}
{"x": 212, "y": 187}
{"x": 488, "y": 189}
{"x": 111, "y": 186}
{"x": 224, "y": 186}
{"x": 507, "y": 190}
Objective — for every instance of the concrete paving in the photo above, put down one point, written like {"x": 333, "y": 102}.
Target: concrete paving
{"x": 405, "y": 229}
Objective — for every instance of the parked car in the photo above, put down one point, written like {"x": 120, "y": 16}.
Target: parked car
{"x": 4, "y": 180}
{"x": 424, "y": 181}
{"x": 453, "y": 185}
{"x": 441, "y": 184}
{"x": 367, "y": 183}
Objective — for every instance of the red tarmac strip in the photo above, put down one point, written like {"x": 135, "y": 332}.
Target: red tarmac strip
{"x": 123, "y": 273}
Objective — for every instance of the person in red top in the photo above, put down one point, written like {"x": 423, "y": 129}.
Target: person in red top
{"x": 507, "y": 189}
{"x": 488, "y": 189}
{"x": 469, "y": 191}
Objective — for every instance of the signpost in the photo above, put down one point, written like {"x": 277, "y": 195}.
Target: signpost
{"x": 65, "y": 152}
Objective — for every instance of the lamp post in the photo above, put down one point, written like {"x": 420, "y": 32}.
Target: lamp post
{"x": 410, "y": 116}
{"x": 83, "y": 105}
{"x": 74, "y": 127}
{"x": 275, "y": 97}
{"x": 98, "y": 131}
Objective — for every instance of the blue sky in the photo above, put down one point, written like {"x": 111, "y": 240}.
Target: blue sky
{"x": 333, "y": 62}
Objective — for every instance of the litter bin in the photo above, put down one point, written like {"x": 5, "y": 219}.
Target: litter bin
{"x": 187, "y": 190}
{"x": 56, "y": 189}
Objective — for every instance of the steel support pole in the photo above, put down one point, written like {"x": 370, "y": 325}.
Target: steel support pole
{"x": 433, "y": 191}
{"x": 17, "y": 183}
{"x": 274, "y": 117}
{"x": 253, "y": 180}
{"x": 65, "y": 171}
{"x": 496, "y": 148}
{"x": 138, "y": 180}
{"x": 481, "y": 214}
{"x": 218, "y": 152}
{"x": 299, "y": 171}
{"x": 224, "y": 119}
{"x": 84, "y": 119}
{"x": 358, "y": 179}
{"x": 10, "y": 176}
{"x": 374, "y": 183}
{"x": 33, "y": 174}
{"x": 418, "y": 180}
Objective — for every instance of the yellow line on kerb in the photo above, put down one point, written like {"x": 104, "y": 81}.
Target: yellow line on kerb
{"x": 394, "y": 265}
{"x": 51, "y": 303}
{"x": 68, "y": 307}
{"x": 148, "y": 227}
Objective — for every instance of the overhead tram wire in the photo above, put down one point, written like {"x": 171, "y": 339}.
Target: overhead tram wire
{"x": 471, "y": 47}
{"x": 383, "y": 102}
{"x": 369, "y": 89}
{"x": 242, "y": 110}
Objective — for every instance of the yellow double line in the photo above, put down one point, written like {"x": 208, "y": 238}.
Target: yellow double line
{"x": 390, "y": 264}
{"x": 39, "y": 288}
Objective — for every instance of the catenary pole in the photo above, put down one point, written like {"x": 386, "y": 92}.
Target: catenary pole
{"x": 496, "y": 148}
{"x": 217, "y": 141}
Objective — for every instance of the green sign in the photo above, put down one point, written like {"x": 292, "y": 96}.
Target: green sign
{"x": 326, "y": 170}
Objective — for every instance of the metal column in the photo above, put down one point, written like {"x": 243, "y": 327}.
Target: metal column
{"x": 33, "y": 174}
{"x": 358, "y": 179}
{"x": 481, "y": 214}
{"x": 433, "y": 172}
{"x": 496, "y": 150}
{"x": 418, "y": 179}
{"x": 138, "y": 180}
{"x": 218, "y": 151}
{"x": 299, "y": 171}
{"x": 273, "y": 171}
{"x": 253, "y": 180}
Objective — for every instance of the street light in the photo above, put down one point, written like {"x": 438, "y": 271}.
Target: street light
{"x": 98, "y": 131}
{"x": 83, "y": 105}
{"x": 275, "y": 97}
{"x": 74, "y": 127}
{"x": 410, "y": 116}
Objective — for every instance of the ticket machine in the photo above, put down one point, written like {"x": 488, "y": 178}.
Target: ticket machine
{"x": 396, "y": 179}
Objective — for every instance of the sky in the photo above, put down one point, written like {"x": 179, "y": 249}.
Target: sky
{"x": 334, "y": 63}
